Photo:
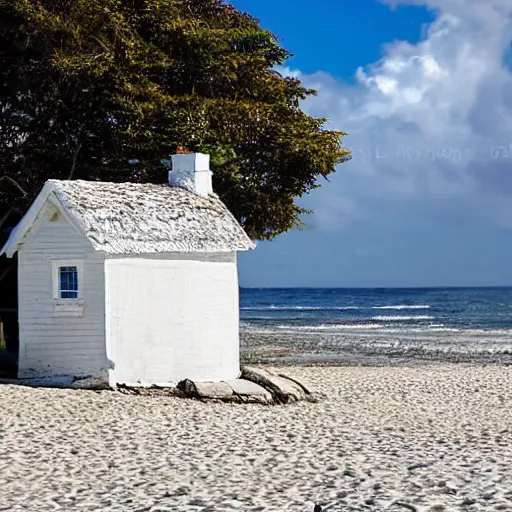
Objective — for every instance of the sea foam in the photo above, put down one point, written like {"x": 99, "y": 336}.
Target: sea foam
{"x": 403, "y": 306}
{"x": 382, "y": 318}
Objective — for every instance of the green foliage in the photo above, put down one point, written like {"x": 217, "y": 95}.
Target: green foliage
{"x": 88, "y": 85}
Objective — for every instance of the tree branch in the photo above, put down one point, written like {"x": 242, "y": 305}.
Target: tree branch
{"x": 15, "y": 183}
{"x": 12, "y": 208}
{"x": 73, "y": 165}
{"x": 6, "y": 216}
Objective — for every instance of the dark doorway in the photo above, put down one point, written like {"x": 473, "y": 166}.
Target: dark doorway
{"x": 9, "y": 317}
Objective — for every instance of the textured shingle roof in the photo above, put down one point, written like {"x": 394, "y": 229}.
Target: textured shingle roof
{"x": 130, "y": 218}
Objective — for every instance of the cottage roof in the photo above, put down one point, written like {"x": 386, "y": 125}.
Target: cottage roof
{"x": 132, "y": 218}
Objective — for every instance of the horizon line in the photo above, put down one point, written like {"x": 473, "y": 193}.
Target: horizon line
{"x": 455, "y": 287}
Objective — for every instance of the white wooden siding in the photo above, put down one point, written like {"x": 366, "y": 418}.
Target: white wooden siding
{"x": 172, "y": 319}
{"x": 52, "y": 345}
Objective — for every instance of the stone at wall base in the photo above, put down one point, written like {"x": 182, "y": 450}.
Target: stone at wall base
{"x": 283, "y": 389}
{"x": 90, "y": 383}
{"x": 255, "y": 385}
{"x": 215, "y": 390}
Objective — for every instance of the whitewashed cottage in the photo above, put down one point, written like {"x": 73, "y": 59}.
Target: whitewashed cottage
{"x": 131, "y": 283}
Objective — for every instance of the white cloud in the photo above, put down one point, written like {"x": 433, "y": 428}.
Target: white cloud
{"x": 425, "y": 121}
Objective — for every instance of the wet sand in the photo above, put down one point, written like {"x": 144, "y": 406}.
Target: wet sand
{"x": 377, "y": 348}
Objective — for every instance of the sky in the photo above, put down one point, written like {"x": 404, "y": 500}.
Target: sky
{"x": 424, "y": 90}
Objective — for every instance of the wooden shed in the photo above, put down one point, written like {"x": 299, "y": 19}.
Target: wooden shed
{"x": 130, "y": 283}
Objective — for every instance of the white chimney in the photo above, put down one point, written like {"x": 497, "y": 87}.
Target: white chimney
{"x": 192, "y": 172}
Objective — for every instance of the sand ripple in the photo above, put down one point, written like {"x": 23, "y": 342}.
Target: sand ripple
{"x": 434, "y": 438}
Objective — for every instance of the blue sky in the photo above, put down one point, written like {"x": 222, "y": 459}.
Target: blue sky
{"x": 325, "y": 39}
{"x": 424, "y": 89}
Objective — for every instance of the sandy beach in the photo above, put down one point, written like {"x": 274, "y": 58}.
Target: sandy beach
{"x": 425, "y": 438}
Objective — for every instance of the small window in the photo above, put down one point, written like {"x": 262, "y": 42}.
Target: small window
{"x": 68, "y": 282}
{"x": 68, "y": 279}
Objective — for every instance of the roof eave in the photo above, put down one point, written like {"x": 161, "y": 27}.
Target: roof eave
{"x": 15, "y": 239}
{"x": 7, "y": 248}
{"x": 18, "y": 234}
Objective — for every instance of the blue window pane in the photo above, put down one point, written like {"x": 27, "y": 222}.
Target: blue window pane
{"x": 68, "y": 282}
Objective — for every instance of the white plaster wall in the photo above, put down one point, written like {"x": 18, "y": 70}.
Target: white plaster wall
{"x": 51, "y": 345}
{"x": 170, "y": 319}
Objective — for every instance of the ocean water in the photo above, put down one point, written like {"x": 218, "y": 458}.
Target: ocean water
{"x": 380, "y": 321}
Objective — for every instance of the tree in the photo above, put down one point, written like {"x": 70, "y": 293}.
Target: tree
{"x": 104, "y": 89}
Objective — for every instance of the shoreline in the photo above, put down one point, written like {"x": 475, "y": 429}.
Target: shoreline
{"x": 367, "y": 349}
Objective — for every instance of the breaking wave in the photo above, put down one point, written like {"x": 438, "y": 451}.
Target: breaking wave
{"x": 327, "y": 327}
{"x": 330, "y": 308}
{"x": 381, "y": 318}
{"x": 403, "y": 306}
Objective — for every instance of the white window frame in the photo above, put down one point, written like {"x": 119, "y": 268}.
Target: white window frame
{"x": 56, "y": 265}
